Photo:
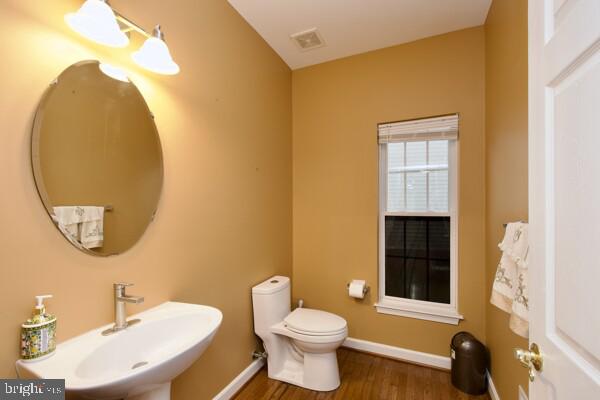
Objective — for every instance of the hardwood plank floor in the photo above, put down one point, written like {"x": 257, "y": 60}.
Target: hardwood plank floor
{"x": 365, "y": 376}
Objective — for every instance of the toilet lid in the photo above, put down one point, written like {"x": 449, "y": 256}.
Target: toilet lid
{"x": 314, "y": 322}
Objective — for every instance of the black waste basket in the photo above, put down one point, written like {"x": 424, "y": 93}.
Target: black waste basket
{"x": 469, "y": 363}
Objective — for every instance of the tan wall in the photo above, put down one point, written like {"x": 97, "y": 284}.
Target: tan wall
{"x": 506, "y": 166}
{"x": 336, "y": 108}
{"x": 224, "y": 220}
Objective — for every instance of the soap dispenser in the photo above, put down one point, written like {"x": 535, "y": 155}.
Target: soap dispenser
{"x": 38, "y": 333}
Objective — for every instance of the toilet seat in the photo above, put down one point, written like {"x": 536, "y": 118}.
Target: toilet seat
{"x": 282, "y": 329}
{"x": 306, "y": 321}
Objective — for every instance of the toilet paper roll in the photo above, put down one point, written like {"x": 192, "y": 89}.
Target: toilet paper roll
{"x": 356, "y": 289}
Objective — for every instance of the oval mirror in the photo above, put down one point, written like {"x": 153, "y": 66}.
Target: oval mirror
{"x": 97, "y": 159}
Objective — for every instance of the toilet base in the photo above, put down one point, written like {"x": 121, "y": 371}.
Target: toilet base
{"x": 318, "y": 372}
{"x": 321, "y": 371}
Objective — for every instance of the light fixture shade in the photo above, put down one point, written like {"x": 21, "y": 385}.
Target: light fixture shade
{"x": 96, "y": 21}
{"x": 154, "y": 55}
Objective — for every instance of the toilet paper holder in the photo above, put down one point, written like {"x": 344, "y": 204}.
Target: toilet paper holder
{"x": 365, "y": 289}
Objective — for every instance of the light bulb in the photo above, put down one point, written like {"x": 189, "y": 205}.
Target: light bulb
{"x": 154, "y": 55}
{"x": 96, "y": 21}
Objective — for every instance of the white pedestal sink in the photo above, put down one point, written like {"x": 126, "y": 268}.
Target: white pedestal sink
{"x": 137, "y": 363}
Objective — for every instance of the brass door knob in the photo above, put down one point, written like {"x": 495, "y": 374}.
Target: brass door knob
{"x": 531, "y": 359}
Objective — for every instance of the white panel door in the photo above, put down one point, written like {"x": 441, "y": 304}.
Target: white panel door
{"x": 564, "y": 195}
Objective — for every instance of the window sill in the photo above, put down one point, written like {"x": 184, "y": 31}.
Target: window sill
{"x": 442, "y": 314}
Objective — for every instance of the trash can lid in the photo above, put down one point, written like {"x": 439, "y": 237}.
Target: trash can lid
{"x": 466, "y": 343}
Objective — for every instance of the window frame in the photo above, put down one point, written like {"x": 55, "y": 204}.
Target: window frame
{"x": 419, "y": 309}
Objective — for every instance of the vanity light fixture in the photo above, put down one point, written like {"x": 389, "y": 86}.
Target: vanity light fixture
{"x": 96, "y": 21}
{"x": 99, "y": 22}
{"x": 154, "y": 55}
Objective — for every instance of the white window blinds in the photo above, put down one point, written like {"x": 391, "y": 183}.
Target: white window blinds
{"x": 436, "y": 128}
{"x": 417, "y": 167}
{"x": 418, "y": 176}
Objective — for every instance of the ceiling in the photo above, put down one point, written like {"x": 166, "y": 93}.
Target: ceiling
{"x": 355, "y": 26}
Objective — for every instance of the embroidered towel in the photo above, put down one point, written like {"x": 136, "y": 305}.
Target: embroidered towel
{"x": 510, "y": 292}
{"x": 519, "y": 317}
{"x": 82, "y": 224}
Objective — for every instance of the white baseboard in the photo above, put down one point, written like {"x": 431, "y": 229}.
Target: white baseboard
{"x": 236, "y": 384}
{"x": 398, "y": 353}
{"x": 492, "y": 388}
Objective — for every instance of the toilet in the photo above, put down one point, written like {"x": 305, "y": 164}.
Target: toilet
{"x": 300, "y": 344}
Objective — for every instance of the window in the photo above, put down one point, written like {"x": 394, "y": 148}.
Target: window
{"x": 418, "y": 219}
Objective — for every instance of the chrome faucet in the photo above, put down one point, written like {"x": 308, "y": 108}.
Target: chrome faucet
{"x": 120, "y": 315}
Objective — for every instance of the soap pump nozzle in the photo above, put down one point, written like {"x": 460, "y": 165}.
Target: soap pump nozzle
{"x": 39, "y": 303}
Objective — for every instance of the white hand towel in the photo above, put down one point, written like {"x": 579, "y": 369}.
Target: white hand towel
{"x": 510, "y": 292}
{"x": 68, "y": 219}
{"x": 520, "y": 248}
{"x": 519, "y": 317}
{"x": 82, "y": 224}
{"x": 503, "y": 289}
{"x": 92, "y": 229}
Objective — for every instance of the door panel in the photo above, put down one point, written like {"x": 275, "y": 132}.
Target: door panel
{"x": 577, "y": 198}
{"x": 564, "y": 79}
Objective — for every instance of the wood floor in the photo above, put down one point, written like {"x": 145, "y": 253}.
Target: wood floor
{"x": 365, "y": 376}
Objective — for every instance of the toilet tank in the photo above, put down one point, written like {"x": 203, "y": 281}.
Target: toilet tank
{"x": 270, "y": 302}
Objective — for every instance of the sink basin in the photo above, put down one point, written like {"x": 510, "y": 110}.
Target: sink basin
{"x": 137, "y": 363}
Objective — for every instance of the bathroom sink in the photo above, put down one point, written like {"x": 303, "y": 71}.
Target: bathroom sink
{"x": 136, "y": 363}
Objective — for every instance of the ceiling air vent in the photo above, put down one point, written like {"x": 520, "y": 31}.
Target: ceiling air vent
{"x": 308, "y": 40}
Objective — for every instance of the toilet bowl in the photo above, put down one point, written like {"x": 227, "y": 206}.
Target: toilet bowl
{"x": 301, "y": 344}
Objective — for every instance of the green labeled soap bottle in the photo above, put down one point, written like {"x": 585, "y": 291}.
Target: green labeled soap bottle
{"x": 38, "y": 333}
